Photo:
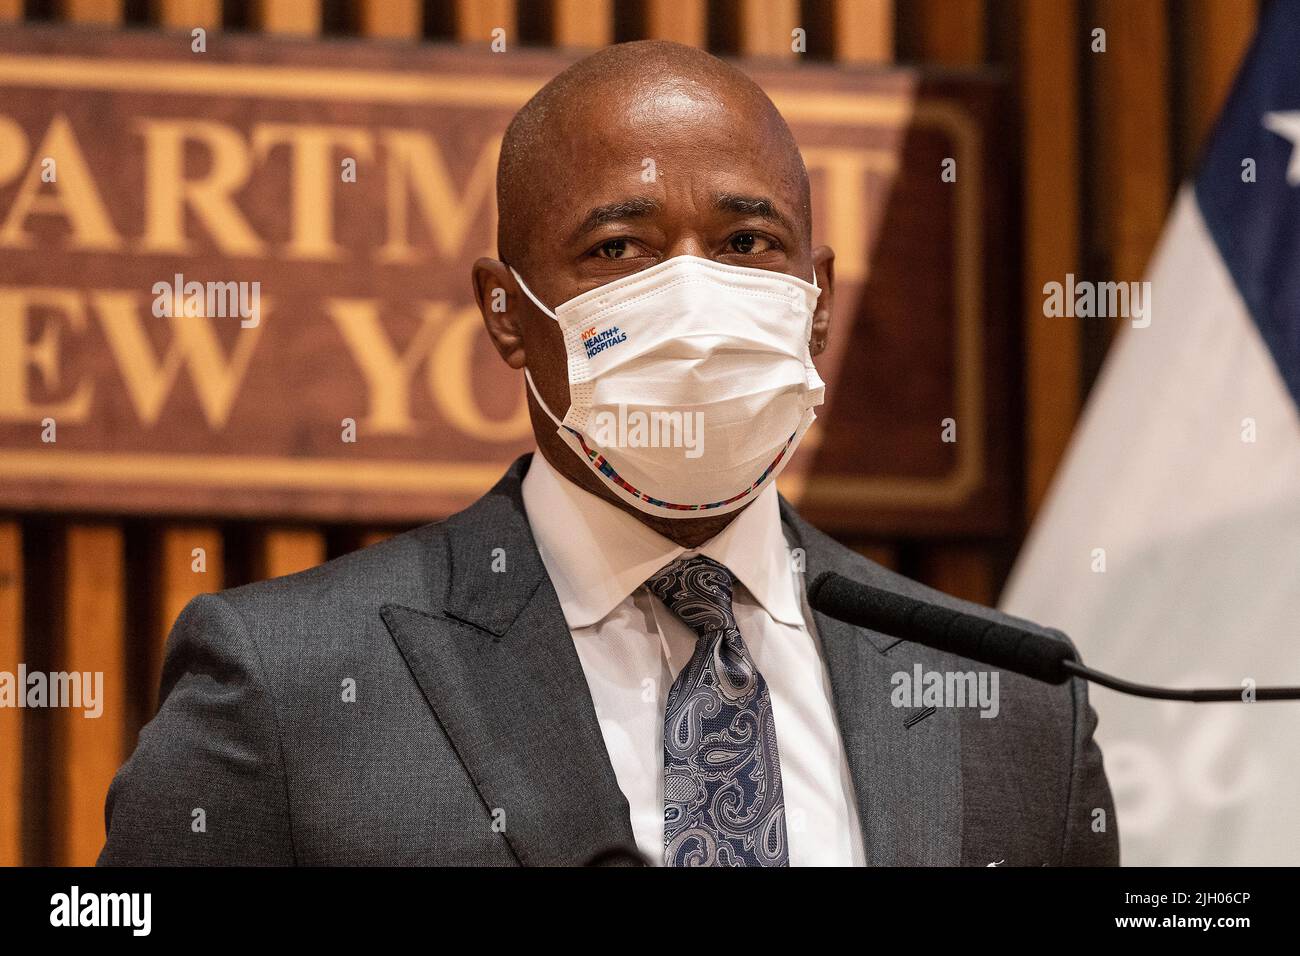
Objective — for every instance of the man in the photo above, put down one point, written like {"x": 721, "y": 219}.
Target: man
{"x": 611, "y": 653}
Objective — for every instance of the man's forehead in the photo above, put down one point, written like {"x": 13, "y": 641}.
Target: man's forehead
{"x": 620, "y": 157}
{"x": 647, "y": 113}
{"x": 645, "y": 120}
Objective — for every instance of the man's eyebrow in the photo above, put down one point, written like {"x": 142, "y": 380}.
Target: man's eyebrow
{"x": 759, "y": 206}
{"x": 614, "y": 211}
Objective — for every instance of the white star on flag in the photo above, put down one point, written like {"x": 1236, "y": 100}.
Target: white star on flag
{"x": 1287, "y": 125}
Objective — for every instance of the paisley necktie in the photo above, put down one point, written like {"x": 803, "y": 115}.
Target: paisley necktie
{"x": 723, "y": 804}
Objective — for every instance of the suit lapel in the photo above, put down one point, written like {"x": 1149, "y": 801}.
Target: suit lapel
{"x": 499, "y": 669}
{"x": 907, "y": 778}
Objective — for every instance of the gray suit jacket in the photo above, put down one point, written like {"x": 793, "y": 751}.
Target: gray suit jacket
{"x": 473, "y": 739}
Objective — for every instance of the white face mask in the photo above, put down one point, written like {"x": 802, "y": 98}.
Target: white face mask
{"x": 690, "y": 383}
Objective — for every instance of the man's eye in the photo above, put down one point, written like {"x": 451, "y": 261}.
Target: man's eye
{"x": 614, "y": 249}
{"x": 749, "y": 242}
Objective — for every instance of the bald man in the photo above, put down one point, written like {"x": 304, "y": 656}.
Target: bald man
{"x": 610, "y": 657}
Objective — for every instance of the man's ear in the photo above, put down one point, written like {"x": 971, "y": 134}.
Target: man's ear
{"x": 499, "y": 297}
{"x": 824, "y": 266}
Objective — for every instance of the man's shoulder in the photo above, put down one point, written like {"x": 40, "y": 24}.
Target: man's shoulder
{"x": 339, "y": 603}
{"x": 409, "y": 568}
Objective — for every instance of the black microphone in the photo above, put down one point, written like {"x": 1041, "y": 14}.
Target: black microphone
{"x": 1005, "y": 646}
{"x": 989, "y": 642}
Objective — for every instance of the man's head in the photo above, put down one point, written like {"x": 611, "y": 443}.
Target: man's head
{"x": 639, "y": 153}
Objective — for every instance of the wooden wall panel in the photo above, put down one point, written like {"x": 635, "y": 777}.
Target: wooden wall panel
{"x": 951, "y": 33}
{"x": 947, "y": 32}
{"x": 864, "y": 31}
{"x": 1214, "y": 35}
{"x": 1049, "y": 47}
{"x": 89, "y": 750}
{"x": 11, "y": 718}
{"x": 584, "y": 23}
{"x": 93, "y": 640}
{"x": 476, "y": 19}
{"x": 92, "y": 12}
{"x": 766, "y": 27}
{"x": 188, "y": 14}
{"x": 962, "y": 570}
{"x": 288, "y": 551}
{"x": 179, "y": 580}
{"x": 390, "y": 19}
{"x": 300, "y": 17}
{"x": 683, "y": 21}
{"x": 1131, "y": 185}
{"x": 883, "y": 554}
{"x": 175, "y": 580}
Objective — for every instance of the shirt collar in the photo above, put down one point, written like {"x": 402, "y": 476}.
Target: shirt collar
{"x": 596, "y": 554}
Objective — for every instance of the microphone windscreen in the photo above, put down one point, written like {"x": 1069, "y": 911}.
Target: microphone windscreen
{"x": 966, "y": 635}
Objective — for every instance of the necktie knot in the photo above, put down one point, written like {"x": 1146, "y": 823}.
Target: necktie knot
{"x": 698, "y": 591}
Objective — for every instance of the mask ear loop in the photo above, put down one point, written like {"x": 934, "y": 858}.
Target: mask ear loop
{"x": 532, "y": 386}
{"x": 819, "y": 389}
{"x": 528, "y": 376}
{"x": 529, "y": 292}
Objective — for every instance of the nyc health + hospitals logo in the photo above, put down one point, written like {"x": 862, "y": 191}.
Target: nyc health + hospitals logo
{"x": 596, "y": 342}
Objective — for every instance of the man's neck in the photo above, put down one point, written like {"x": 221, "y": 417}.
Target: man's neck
{"x": 687, "y": 532}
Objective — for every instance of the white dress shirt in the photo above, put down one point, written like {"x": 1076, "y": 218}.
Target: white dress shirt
{"x": 632, "y": 648}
